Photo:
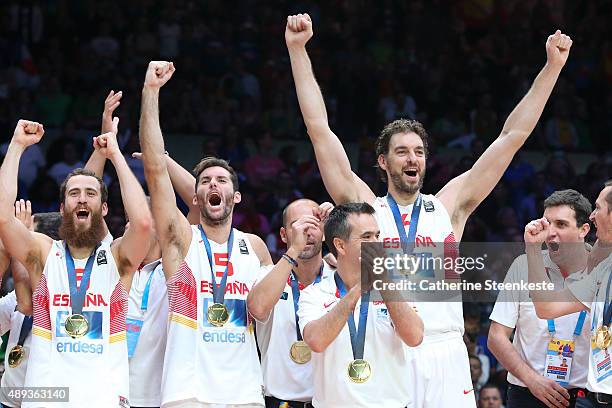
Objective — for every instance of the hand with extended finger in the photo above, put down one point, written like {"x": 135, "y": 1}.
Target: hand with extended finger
{"x": 112, "y": 102}
{"x": 158, "y": 73}
{"x": 298, "y": 30}
{"x": 23, "y": 212}
{"x": 27, "y": 133}
{"x": 548, "y": 391}
{"x": 106, "y": 144}
{"x": 322, "y": 211}
{"x": 536, "y": 231}
{"x": 557, "y": 48}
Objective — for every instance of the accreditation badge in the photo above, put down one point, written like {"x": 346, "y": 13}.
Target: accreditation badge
{"x": 600, "y": 360}
{"x": 133, "y": 328}
{"x": 559, "y": 358}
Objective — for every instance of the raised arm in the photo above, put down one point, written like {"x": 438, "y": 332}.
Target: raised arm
{"x": 97, "y": 161}
{"x": 489, "y": 168}
{"x": 548, "y": 304}
{"x": 333, "y": 162}
{"x": 263, "y": 296}
{"x": 132, "y": 248}
{"x": 173, "y": 230}
{"x": 27, "y": 247}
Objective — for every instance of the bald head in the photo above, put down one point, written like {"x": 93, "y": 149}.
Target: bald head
{"x": 296, "y": 209}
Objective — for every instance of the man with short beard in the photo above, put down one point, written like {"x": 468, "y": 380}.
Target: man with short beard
{"x": 210, "y": 268}
{"x": 79, "y": 317}
{"x": 285, "y": 357}
{"x": 405, "y": 215}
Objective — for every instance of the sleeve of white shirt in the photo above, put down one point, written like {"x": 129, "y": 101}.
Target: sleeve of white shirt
{"x": 585, "y": 289}
{"x": 311, "y": 306}
{"x": 506, "y": 309}
{"x": 8, "y": 304}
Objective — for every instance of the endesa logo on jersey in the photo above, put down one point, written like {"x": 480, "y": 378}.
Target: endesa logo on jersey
{"x": 70, "y": 345}
{"x": 234, "y": 331}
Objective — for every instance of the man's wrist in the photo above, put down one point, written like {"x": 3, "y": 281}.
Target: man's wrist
{"x": 17, "y": 147}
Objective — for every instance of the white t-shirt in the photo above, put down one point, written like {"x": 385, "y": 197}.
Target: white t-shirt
{"x": 591, "y": 291}
{"x": 283, "y": 378}
{"x": 515, "y": 309}
{"x": 8, "y": 304}
{"x": 384, "y": 350}
{"x": 147, "y": 362}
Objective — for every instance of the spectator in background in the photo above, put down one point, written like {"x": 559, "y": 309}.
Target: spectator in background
{"x": 560, "y": 132}
{"x": 475, "y": 373}
{"x": 263, "y": 168}
{"x": 248, "y": 219}
{"x": 32, "y": 161}
{"x": 70, "y": 161}
{"x": 52, "y": 103}
{"x": 490, "y": 397}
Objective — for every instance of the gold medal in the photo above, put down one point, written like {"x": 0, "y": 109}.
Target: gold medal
{"x": 602, "y": 338}
{"x": 16, "y": 355}
{"x": 359, "y": 371}
{"x": 76, "y": 326}
{"x": 300, "y": 352}
{"x": 217, "y": 314}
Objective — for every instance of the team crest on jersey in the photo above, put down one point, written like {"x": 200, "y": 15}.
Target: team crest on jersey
{"x": 101, "y": 258}
{"x": 284, "y": 296}
{"x": 244, "y": 250}
{"x": 123, "y": 402}
{"x": 429, "y": 206}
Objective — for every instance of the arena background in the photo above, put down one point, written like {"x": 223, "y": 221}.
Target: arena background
{"x": 457, "y": 66}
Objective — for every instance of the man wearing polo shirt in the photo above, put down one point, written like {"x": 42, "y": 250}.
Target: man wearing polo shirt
{"x": 591, "y": 293}
{"x": 530, "y": 370}
{"x": 358, "y": 357}
{"x": 285, "y": 358}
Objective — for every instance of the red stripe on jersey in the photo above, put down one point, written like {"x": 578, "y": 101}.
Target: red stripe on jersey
{"x": 451, "y": 250}
{"x": 40, "y": 305}
{"x": 182, "y": 292}
{"x": 118, "y": 308}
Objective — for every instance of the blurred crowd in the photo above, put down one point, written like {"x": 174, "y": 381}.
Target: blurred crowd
{"x": 457, "y": 66}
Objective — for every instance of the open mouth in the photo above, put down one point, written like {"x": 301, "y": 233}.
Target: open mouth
{"x": 214, "y": 199}
{"x": 553, "y": 246}
{"x": 411, "y": 173}
{"x": 82, "y": 214}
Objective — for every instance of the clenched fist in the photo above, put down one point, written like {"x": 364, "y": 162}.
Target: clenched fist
{"x": 158, "y": 73}
{"x": 27, "y": 133}
{"x": 106, "y": 144}
{"x": 298, "y": 30}
{"x": 557, "y": 48}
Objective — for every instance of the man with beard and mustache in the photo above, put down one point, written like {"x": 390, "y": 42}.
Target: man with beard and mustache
{"x": 79, "y": 318}
{"x": 526, "y": 361}
{"x": 285, "y": 357}
{"x": 210, "y": 268}
{"x": 592, "y": 294}
{"x": 441, "y": 362}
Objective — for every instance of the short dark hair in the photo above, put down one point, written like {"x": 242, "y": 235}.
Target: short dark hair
{"x": 490, "y": 386}
{"x": 211, "y": 161}
{"x": 609, "y": 195}
{"x": 574, "y": 200}
{"x": 84, "y": 172}
{"x": 395, "y": 127}
{"x": 337, "y": 225}
{"x": 48, "y": 223}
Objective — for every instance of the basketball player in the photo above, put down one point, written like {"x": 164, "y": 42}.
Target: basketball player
{"x": 533, "y": 380}
{"x": 273, "y": 301}
{"x": 591, "y": 293}
{"x": 210, "y": 269}
{"x": 20, "y": 313}
{"x": 358, "y": 357}
{"x": 439, "y": 372}
{"x": 81, "y": 284}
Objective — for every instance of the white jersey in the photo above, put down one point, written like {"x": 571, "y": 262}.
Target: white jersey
{"x": 94, "y": 367}
{"x": 591, "y": 291}
{"x": 383, "y": 350}
{"x": 434, "y": 235}
{"x": 147, "y": 361}
{"x": 204, "y": 363}
{"x": 15, "y": 377}
{"x": 516, "y": 310}
{"x": 283, "y": 378}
